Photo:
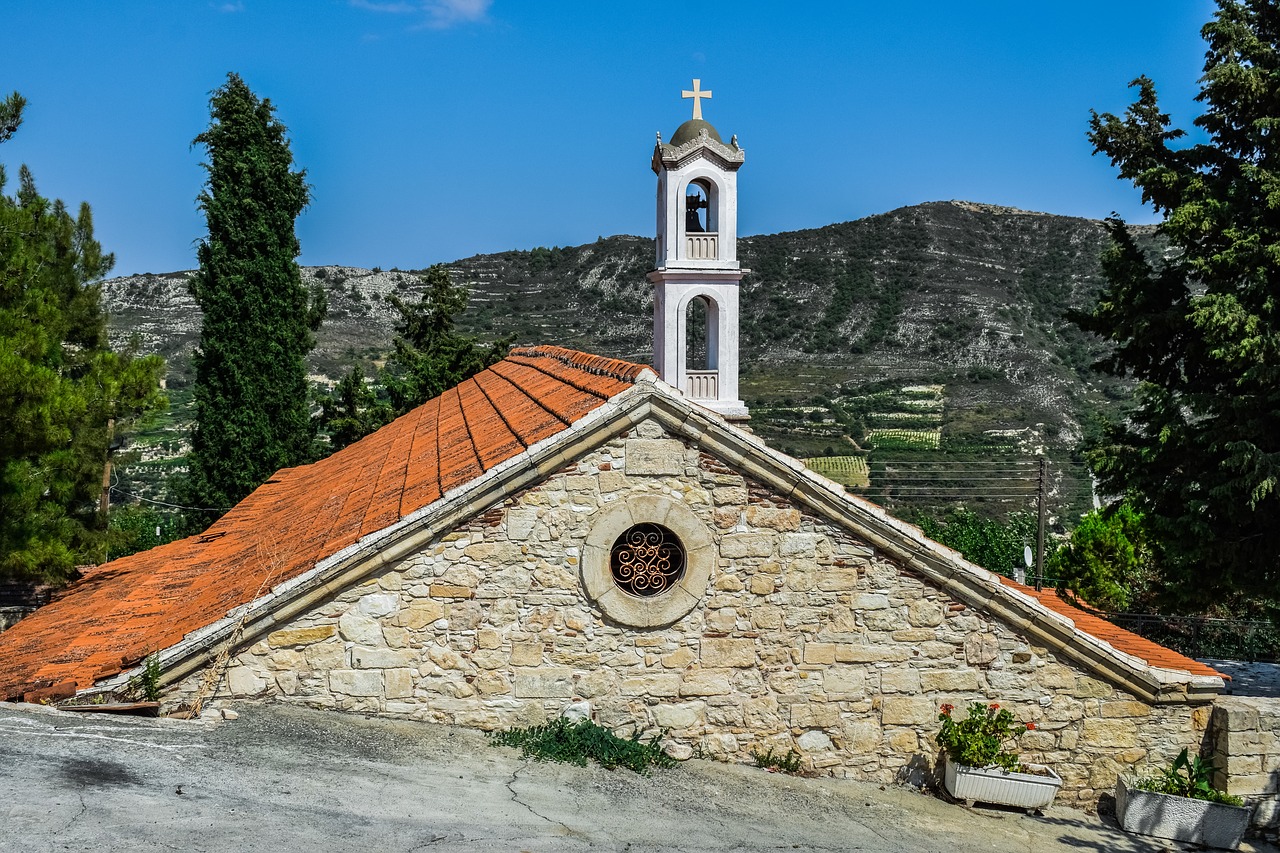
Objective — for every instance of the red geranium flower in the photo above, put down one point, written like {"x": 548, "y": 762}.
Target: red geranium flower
{"x": 1031, "y": 726}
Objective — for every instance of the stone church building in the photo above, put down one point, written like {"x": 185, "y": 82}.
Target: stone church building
{"x": 567, "y": 527}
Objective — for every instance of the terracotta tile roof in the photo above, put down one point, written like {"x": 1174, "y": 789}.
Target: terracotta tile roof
{"x": 1126, "y": 641}
{"x": 131, "y": 607}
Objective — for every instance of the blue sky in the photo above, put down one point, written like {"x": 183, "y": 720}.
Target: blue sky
{"x": 437, "y": 129}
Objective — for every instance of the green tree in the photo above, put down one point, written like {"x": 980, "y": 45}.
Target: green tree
{"x": 1199, "y": 327}
{"x": 1109, "y": 561}
{"x": 993, "y": 544}
{"x": 430, "y": 356}
{"x": 61, "y": 385}
{"x": 251, "y": 402}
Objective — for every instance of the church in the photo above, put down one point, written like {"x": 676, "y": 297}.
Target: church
{"x": 571, "y": 528}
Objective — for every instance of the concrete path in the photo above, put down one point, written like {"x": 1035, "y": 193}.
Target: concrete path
{"x": 281, "y": 779}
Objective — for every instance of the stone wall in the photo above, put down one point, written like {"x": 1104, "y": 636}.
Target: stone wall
{"x": 1245, "y": 737}
{"x": 804, "y": 638}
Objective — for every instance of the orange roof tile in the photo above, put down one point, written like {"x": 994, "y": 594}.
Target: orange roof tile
{"x": 1126, "y": 641}
{"x": 131, "y": 607}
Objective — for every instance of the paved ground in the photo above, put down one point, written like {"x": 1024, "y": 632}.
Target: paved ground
{"x": 280, "y": 779}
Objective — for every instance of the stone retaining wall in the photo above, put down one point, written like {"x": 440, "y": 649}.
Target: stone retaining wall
{"x": 804, "y": 638}
{"x": 1245, "y": 737}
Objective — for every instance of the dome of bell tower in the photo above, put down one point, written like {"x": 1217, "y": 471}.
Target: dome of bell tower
{"x": 692, "y": 129}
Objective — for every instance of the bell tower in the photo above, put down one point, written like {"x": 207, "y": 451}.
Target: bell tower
{"x": 695, "y": 300}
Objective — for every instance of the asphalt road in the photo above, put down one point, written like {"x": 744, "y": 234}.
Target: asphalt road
{"x": 280, "y": 779}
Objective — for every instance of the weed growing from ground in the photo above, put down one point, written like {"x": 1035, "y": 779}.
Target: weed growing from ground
{"x": 789, "y": 763}
{"x": 575, "y": 742}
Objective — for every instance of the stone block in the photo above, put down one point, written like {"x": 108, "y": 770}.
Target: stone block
{"x": 526, "y": 654}
{"x": 949, "y": 681}
{"x": 706, "y": 683}
{"x": 379, "y": 604}
{"x": 491, "y": 684}
{"x": 1056, "y": 676}
{"x": 814, "y": 742}
{"x": 899, "y": 680}
{"x": 658, "y": 684}
{"x": 679, "y": 659}
{"x": 358, "y": 627}
{"x": 844, "y": 682}
{"x": 445, "y": 658}
{"x": 420, "y": 613}
{"x": 682, "y": 716}
{"x": 908, "y": 711}
{"x": 520, "y": 522}
{"x": 870, "y": 601}
{"x": 356, "y": 682}
{"x": 728, "y": 583}
{"x": 398, "y": 683}
{"x": 654, "y": 456}
{"x": 850, "y": 653}
{"x": 487, "y": 638}
{"x": 444, "y": 590}
{"x": 763, "y": 584}
{"x": 1092, "y": 688}
{"x": 244, "y": 681}
{"x": 775, "y": 519}
{"x": 766, "y": 616}
{"x": 820, "y": 653}
{"x": 366, "y": 658}
{"x": 722, "y": 619}
{"x": 797, "y": 544}
{"x": 924, "y": 613}
{"x": 1109, "y": 733}
{"x": 729, "y": 495}
{"x": 1125, "y": 708}
{"x": 489, "y": 658}
{"x": 737, "y": 545}
{"x": 981, "y": 649}
{"x": 838, "y": 579}
{"x": 300, "y": 636}
{"x": 728, "y": 652}
{"x": 861, "y": 737}
{"x": 545, "y": 683}
{"x": 816, "y": 715}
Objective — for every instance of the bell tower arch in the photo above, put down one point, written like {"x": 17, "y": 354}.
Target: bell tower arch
{"x": 697, "y": 259}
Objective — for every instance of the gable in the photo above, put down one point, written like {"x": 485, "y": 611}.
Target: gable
{"x": 315, "y": 531}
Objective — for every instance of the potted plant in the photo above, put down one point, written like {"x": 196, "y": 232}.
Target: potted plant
{"x": 1180, "y": 802}
{"x": 980, "y": 769}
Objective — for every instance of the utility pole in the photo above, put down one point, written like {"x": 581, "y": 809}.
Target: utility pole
{"x": 1040, "y": 500}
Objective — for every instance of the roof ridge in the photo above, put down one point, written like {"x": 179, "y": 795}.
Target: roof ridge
{"x": 599, "y": 365}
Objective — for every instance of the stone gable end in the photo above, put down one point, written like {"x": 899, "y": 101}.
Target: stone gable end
{"x": 801, "y": 637}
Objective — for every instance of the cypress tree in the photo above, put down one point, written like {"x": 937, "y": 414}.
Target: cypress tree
{"x": 252, "y": 413}
{"x": 61, "y": 385}
{"x": 1199, "y": 327}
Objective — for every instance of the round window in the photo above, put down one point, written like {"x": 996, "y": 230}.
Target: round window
{"x": 646, "y": 560}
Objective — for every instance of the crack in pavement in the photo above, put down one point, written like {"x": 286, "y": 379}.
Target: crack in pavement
{"x": 83, "y": 808}
{"x": 515, "y": 798}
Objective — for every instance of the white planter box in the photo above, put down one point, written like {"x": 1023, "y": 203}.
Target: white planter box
{"x": 1180, "y": 818}
{"x": 993, "y": 785}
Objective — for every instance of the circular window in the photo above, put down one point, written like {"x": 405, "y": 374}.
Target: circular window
{"x": 647, "y": 560}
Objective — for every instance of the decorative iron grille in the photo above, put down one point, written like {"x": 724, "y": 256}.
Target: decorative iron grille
{"x": 647, "y": 560}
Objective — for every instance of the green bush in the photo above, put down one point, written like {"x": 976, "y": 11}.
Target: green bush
{"x": 575, "y": 742}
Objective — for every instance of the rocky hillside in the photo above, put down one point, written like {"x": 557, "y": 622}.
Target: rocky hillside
{"x": 839, "y": 322}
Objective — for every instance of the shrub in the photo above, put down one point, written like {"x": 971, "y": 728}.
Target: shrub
{"x": 574, "y": 742}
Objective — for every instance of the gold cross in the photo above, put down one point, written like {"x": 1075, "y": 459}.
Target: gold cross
{"x": 697, "y": 94}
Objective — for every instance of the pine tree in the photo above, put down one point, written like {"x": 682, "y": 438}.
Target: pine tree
{"x": 61, "y": 385}
{"x": 1200, "y": 327}
{"x": 252, "y": 413}
{"x": 429, "y": 357}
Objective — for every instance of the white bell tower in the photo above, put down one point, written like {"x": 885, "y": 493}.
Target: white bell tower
{"x": 697, "y": 270}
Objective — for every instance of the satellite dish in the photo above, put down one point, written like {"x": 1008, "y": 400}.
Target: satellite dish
{"x": 1026, "y": 555}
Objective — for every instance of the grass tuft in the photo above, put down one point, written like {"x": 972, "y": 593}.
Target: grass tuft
{"x": 574, "y": 742}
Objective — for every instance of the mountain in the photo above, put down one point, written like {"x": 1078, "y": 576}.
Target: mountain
{"x": 929, "y": 328}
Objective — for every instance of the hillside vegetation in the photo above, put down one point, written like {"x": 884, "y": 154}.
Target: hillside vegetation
{"x": 932, "y": 331}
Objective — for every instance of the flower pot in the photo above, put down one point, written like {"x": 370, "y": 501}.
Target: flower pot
{"x": 1180, "y": 818}
{"x": 994, "y": 785}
